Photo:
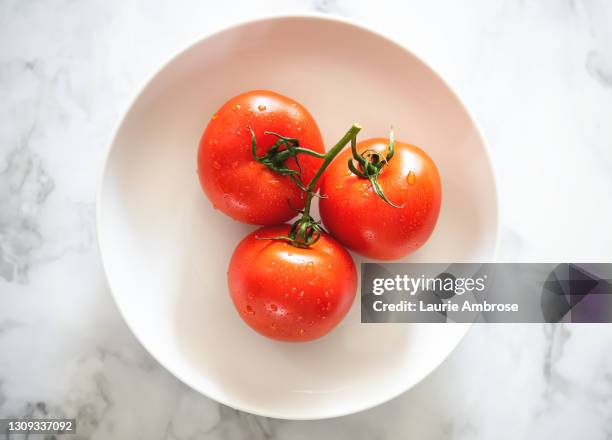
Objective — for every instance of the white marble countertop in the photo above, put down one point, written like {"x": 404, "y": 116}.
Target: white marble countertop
{"x": 538, "y": 77}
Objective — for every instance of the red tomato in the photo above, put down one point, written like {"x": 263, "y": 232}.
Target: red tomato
{"x": 290, "y": 293}
{"x": 235, "y": 183}
{"x": 363, "y": 222}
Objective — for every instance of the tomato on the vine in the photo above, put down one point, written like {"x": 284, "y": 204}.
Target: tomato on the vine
{"x": 241, "y": 186}
{"x": 359, "y": 218}
{"x": 287, "y": 292}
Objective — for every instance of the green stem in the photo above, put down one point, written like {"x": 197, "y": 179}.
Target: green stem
{"x": 331, "y": 154}
{"x": 309, "y": 152}
{"x": 305, "y": 231}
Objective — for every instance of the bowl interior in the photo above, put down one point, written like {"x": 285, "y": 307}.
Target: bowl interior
{"x": 165, "y": 249}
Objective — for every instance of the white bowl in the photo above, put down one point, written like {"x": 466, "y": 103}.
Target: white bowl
{"x": 165, "y": 250}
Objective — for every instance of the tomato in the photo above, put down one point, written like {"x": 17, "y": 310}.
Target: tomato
{"x": 291, "y": 293}
{"x": 235, "y": 183}
{"x": 362, "y": 221}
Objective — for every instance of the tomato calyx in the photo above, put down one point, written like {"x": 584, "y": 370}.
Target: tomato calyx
{"x": 370, "y": 164}
{"x": 303, "y": 233}
{"x": 306, "y": 231}
{"x": 276, "y": 157}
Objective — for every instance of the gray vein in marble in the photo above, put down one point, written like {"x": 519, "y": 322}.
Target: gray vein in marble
{"x": 234, "y": 424}
{"x": 24, "y": 187}
{"x": 556, "y": 337}
{"x": 599, "y": 66}
{"x": 328, "y": 6}
{"x": 24, "y": 182}
{"x": 8, "y": 324}
{"x": 2, "y": 396}
{"x": 90, "y": 406}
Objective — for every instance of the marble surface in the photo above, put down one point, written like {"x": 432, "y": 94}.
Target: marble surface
{"x": 537, "y": 76}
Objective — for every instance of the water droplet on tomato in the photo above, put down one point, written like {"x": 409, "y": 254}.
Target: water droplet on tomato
{"x": 365, "y": 195}
{"x": 301, "y": 294}
{"x": 327, "y": 294}
{"x": 234, "y": 164}
{"x": 250, "y": 310}
{"x": 216, "y": 165}
{"x": 318, "y": 301}
{"x": 411, "y": 178}
{"x": 273, "y": 307}
{"x": 251, "y": 164}
{"x": 302, "y": 331}
{"x": 329, "y": 306}
{"x": 214, "y": 116}
{"x": 235, "y": 107}
{"x": 213, "y": 142}
{"x": 261, "y": 108}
